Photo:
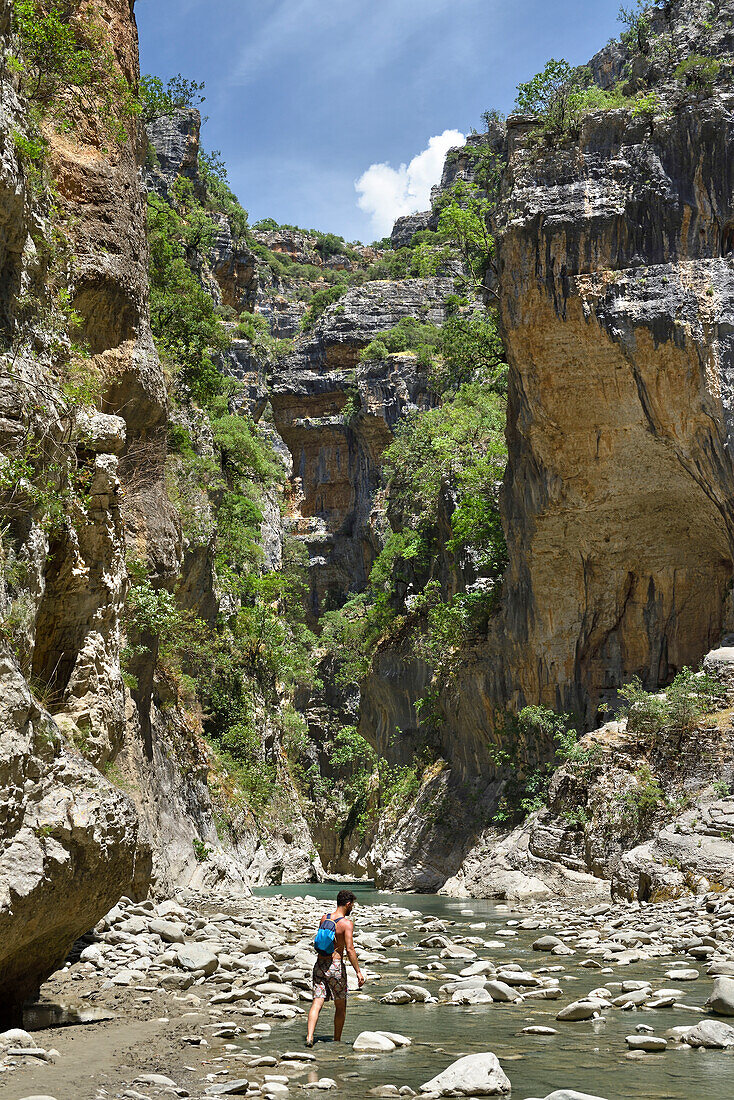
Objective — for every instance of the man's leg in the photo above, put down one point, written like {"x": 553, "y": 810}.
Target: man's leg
{"x": 313, "y": 1014}
{"x": 340, "y": 1014}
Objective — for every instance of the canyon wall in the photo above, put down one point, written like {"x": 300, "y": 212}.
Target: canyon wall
{"x": 615, "y": 250}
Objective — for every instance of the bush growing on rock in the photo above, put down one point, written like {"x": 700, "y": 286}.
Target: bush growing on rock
{"x": 653, "y": 717}
{"x": 66, "y": 66}
{"x": 177, "y": 93}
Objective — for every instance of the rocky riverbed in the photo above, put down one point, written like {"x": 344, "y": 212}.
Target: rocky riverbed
{"x": 202, "y": 997}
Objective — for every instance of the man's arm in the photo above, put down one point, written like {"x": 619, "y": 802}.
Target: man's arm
{"x": 349, "y": 944}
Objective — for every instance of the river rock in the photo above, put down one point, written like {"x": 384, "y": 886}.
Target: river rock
{"x": 229, "y": 1088}
{"x": 567, "y": 1094}
{"x": 650, "y": 1043}
{"x": 721, "y": 999}
{"x": 397, "y": 1038}
{"x": 714, "y": 1034}
{"x": 168, "y": 930}
{"x": 475, "y": 996}
{"x": 473, "y": 1075}
{"x": 547, "y": 943}
{"x": 579, "y": 1010}
{"x": 197, "y": 956}
{"x": 373, "y": 1041}
{"x": 500, "y": 991}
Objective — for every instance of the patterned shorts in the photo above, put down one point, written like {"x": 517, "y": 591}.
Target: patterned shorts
{"x": 330, "y": 978}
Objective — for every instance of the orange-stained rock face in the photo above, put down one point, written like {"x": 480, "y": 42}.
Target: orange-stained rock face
{"x": 617, "y": 500}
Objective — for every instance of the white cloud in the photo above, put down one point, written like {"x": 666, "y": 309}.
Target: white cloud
{"x": 386, "y": 193}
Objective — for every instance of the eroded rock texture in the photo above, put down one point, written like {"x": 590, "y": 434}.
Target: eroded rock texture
{"x": 616, "y": 305}
{"x": 68, "y": 844}
{"x": 616, "y": 282}
{"x": 336, "y": 415}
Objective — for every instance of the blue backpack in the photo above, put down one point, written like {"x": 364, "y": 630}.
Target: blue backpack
{"x": 325, "y": 939}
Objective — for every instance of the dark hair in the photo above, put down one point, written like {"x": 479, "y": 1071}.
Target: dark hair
{"x": 344, "y": 897}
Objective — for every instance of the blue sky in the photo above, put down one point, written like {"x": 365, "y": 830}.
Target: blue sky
{"x": 303, "y": 96}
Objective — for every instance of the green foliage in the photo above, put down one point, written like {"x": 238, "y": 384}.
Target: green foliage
{"x": 66, "y": 66}
{"x": 461, "y": 442}
{"x": 655, "y": 717}
{"x": 578, "y": 816}
{"x": 33, "y": 482}
{"x": 254, "y": 328}
{"x": 201, "y": 851}
{"x": 185, "y": 325}
{"x": 721, "y": 788}
{"x": 642, "y": 801}
{"x": 219, "y": 195}
{"x": 31, "y": 149}
{"x": 548, "y": 94}
{"x": 408, "y": 335}
{"x": 697, "y": 72}
{"x": 149, "y": 612}
{"x": 160, "y": 99}
{"x": 470, "y": 348}
{"x": 321, "y": 300}
{"x": 375, "y": 351}
{"x": 452, "y": 442}
{"x": 243, "y": 451}
{"x": 637, "y": 19}
{"x": 350, "y": 750}
{"x": 464, "y": 224}
{"x": 329, "y": 244}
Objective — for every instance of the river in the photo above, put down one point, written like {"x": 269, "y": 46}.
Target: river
{"x": 587, "y": 1056}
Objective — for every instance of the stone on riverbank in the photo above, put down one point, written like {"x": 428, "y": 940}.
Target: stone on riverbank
{"x": 721, "y": 999}
{"x": 375, "y": 1042}
{"x": 473, "y": 1075}
{"x": 714, "y": 1034}
{"x": 651, "y": 1044}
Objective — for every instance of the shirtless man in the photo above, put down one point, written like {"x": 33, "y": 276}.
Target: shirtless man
{"x": 330, "y": 971}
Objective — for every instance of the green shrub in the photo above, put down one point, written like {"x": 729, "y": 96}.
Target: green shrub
{"x": 160, "y": 99}
{"x": 674, "y": 713}
{"x": 549, "y": 94}
{"x": 201, "y": 851}
{"x": 642, "y": 801}
{"x": 637, "y": 19}
{"x": 65, "y": 65}
{"x": 321, "y": 300}
{"x": 185, "y": 325}
{"x": 376, "y": 350}
{"x": 697, "y": 72}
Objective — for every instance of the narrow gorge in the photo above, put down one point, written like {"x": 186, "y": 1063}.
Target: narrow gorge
{"x": 408, "y": 562}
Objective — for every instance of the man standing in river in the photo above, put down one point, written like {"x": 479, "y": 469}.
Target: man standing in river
{"x": 330, "y": 971}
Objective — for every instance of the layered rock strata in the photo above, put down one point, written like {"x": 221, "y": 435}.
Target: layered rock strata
{"x": 336, "y": 416}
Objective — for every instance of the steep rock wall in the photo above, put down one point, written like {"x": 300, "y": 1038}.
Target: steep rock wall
{"x": 616, "y": 306}
{"x": 336, "y": 457}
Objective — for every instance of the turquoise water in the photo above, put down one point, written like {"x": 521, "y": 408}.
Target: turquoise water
{"x": 589, "y": 1056}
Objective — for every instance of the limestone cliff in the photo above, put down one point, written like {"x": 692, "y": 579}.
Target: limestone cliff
{"x": 336, "y": 457}
{"x": 70, "y": 841}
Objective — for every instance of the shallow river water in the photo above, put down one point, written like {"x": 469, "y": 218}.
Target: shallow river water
{"x": 587, "y": 1056}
